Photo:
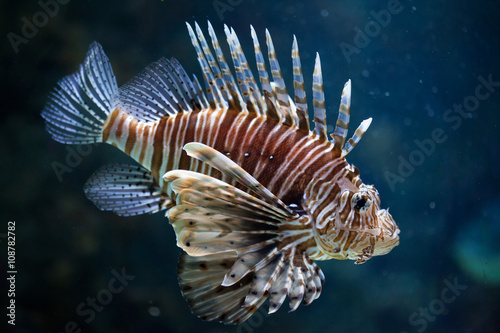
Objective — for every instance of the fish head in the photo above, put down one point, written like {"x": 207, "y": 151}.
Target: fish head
{"x": 376, "y": 229}
{"x": 351, "y": 224}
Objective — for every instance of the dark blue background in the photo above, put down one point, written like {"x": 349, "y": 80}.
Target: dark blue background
{"x": 427, "y": 59}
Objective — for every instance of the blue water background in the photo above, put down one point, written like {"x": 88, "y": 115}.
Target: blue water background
{"x": 408, "y": 76}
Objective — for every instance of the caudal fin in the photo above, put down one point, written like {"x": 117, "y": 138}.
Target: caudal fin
{"x": 79, "y": 105}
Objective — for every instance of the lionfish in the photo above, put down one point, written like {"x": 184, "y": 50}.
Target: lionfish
{"x": 254, "y": 196}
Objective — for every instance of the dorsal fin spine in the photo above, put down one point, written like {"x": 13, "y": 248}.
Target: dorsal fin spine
{"x": 300, "y": 93}
{"x": 340, "y": 133}
{"x": 279, "y": 83}
{"x": 226, "y": 71}
{"x": 356, "y": 137}
{"x": 221, "y": 83}
{"x": 207, "y": 74}
{"x": 242, "y": 92}
{"x": 267, "y": 91}
{"x": 261, "y": 66}
{"x": 319, "y": 101}
{"x": 240, "y": 75}
{"x": 249, "y": 78}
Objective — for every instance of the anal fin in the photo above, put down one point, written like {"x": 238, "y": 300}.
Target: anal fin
{"x": 126, "y": 190}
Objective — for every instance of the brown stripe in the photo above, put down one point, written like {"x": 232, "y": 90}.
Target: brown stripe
{"x": 204, "y": 123}
{"x": 145, "y": 136}
{"x": 319, "y": 208}
{"x": 339, "y": 236}
{"x": 350, "y": 239}
{"x": 158, "y": 148}
{"x": 266, "y": 161}
{"x": 319, "y": 104}
{"x": 233, "y": 138}
{"x": 227, "y": 123}
{"x": 172, "y": 141}
{"x": 287, "y": 143}
{"x": 189, "y": 129}
{"x": 109, "y": 124}
{"x": 248, "y": 149}
{"x": 319, "y": 121}
{"x": 337, "y": 169}
{"x": 132, "y": 136}
{"x": 281, "y": 147}
{"x": 356, "y": 222}
{"x": 341, "y": 124}
{"x": 119, "y": 127}
{"x": 271, "y": 111}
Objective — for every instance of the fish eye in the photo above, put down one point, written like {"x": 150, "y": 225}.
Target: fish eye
{"x": 361, "y": 202}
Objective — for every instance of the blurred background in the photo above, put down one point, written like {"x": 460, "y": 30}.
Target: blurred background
{"x": 421, "y": 72}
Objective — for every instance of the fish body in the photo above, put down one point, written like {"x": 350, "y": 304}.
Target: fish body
{"x": 281, "y": 158}
{"x": 253, "y": 194}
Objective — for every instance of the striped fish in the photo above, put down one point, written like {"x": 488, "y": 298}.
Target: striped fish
{"x": 255, "y": 197}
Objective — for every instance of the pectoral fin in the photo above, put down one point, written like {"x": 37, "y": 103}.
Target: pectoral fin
{"x": 240, "y": 248}
{"x": 200, "y": 281}
{"x": 211, "y": 216}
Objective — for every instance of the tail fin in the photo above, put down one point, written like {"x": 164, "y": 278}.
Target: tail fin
{"x": 80, "y": 104}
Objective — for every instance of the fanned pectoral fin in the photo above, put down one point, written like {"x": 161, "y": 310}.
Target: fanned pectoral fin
{"x": 126, "y": 190}
{"x": 212, "y": 216}
{"x": 237, "y": 250}
{"x": 230, "y": 286}
{"x": 200, "y": 279}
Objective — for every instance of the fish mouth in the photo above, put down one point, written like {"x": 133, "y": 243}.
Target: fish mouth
{"x": 389, "y": 236}
{"x": 387, "y": 224}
